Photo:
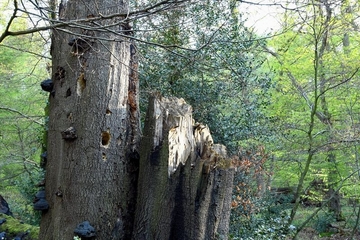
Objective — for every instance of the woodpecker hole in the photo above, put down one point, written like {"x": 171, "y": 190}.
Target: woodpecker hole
{"x": 108, "y": 112}
{"x": 68, "y": 92}
{"x": 105, "y": 138}
{"x": 104, "y": 158}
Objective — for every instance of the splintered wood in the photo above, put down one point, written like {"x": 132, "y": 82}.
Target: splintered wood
{"x": 185, "y": 180}
{"x": 186, "y": 139}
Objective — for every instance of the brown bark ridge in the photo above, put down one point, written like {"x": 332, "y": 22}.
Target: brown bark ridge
{"x": 185, "y": 181}
{"x": 93, "y": 128}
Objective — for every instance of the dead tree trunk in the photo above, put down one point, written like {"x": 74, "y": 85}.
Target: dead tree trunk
{"x": 92, "y": 171}
{"x": 185, "y": 181}
{"x": 93, "y": 128}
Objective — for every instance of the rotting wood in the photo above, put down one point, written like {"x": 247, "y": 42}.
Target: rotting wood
{"x": 185, "y": 180}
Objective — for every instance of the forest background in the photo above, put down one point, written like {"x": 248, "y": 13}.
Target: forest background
{"x": 283, "y": 101}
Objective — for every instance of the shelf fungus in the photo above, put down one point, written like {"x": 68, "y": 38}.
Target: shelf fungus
{"x": 40, "y": 202}
{"x": 48, "y": 86}
{"x": 69, "y": 134}
{"x": 85, "y": 230}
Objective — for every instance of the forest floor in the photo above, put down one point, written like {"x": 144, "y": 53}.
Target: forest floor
{"x": 331, "y": 229}
{"x": 312, "y": 234}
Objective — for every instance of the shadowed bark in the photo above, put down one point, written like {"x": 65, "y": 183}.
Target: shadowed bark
{"x": 185, "y": 181}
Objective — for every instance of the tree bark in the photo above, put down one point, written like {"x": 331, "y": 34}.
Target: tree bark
{"x": 93, "y": 129}
{"x": 185, "y": 181}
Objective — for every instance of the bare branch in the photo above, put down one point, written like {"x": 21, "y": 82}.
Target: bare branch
{"x": 341, "y": 184}
{"x": 6, "y": 32}
{"x": 273, "y": 4}
{"x": 340, "y": 83}
{"x": 21, "y": 114}
{"x": 26, "y": 51}
{"x": 72, "y": 23}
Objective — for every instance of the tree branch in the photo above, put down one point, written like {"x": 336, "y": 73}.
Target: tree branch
{"x": 26, "y": 51}
{"x": 21, "y": 114}
{"x": 58, "y": 23}
{"x": 6, "y": 32}
{"x": 324, "y": 203}
{"x": 340, "y": 83}
{"x": 273, "y": 4}
{"x": 345, "y": 141}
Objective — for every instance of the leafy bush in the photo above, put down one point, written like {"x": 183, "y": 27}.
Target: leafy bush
{"x": 322, "y": 222}
{"x": 263, "y": 214}
{"x": 257, "y": 213}
{"x": 262, "y": 226}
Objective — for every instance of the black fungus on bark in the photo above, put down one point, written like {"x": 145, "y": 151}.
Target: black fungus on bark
{"x": 40, "y": 203}
{"x": 22, "y": 236}
{"x": 85, "y": 230}
{"x": 69, "y": 134}
{"x": 40, "y": 195}
{"x": 47, "y": 85}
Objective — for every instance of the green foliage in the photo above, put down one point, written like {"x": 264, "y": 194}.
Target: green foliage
{"x": 20, "y": 196}
{"x": 275, "y": 228}
{"x": 315, "y": 101}
{"x": 13, "y": 227}
{"x": 323, "y": 221}
{"x": 21, "y": 114}
{"x": 222, "y": 79}
{"x": 256, "y": 212}
{"x": 21, "y": 126}
{"x": 27, "y": 187}
{"x": 263, "y": 225}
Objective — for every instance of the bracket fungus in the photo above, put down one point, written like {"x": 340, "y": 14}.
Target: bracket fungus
{"x": 85, "y": 230}
{"x": 41, "y": 205}
{"x": 40, "y": 202}
{"x": 47, "y": 85}
{"x": 69, "y": 134}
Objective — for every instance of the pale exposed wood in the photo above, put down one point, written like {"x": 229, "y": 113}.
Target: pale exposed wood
{"x": 185, "y": 180}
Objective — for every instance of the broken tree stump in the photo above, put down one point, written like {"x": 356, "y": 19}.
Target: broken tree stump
{"x": 185, "y": 180}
